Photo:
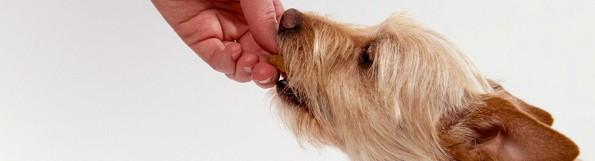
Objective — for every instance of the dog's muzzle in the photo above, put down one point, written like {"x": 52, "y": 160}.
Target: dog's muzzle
{"x": 291, "y": 22}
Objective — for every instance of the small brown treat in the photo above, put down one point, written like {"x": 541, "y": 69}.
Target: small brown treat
{"x": 277, "y": 62}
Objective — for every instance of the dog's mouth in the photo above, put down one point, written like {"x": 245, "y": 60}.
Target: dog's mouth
{"x": 289, "y": 25}
{"x": 289, "y": 94}
{"x": 284, "y": 90}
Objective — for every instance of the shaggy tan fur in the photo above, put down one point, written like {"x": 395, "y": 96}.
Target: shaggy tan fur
{"x": 398, "y": 91}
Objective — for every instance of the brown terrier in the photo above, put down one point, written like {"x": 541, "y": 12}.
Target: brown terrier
{"x": 400, "y": 92}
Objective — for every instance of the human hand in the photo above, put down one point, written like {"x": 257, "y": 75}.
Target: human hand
{"x": 234, "y": 37}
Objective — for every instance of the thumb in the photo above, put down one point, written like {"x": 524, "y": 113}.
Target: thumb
{"x": 261, "y": 16}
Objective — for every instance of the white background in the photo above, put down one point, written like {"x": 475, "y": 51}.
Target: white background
{"x": 110, "y": 81}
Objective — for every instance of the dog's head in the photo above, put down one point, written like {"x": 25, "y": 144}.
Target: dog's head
{"x": 398, "y": 91}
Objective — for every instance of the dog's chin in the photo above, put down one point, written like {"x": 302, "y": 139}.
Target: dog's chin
{"x": 288, "y": 94}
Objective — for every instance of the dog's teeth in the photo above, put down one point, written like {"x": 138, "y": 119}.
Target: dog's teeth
{"x": 283, "y": 81}
{"x": 283, "y": 76}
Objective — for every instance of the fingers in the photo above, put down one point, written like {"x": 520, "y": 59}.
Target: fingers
{"x": 261, "y": 16}
{"x": 225, "y": 62}
{"x": 244, "y": 66}
{"x": 265, "y": 75}
{"x": 220, "y": 57}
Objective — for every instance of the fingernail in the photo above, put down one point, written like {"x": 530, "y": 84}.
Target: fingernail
{"x": 266, "y": 81}
{"x": 248, "y": 69}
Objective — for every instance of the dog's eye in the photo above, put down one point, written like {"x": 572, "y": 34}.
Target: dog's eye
{"x": 365, "y": 58}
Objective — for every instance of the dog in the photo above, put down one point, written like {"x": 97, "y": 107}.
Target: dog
{"x": 401, "y": 92}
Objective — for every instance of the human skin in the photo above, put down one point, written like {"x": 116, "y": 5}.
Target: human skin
{"x": 234, "y": 37}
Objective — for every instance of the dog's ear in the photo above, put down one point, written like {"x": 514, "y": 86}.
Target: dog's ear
{"x": 499, "y": 130}
{"x": 535, "y": 112}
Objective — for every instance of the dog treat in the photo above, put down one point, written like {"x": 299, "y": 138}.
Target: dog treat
{"x": 277, "y": 62}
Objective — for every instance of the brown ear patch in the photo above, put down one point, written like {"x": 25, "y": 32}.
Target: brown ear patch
{"x": 499, "y": 130}
{"x": 531, "y": 110}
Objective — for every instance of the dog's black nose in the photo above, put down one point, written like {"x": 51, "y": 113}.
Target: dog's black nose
{"x": 290, "y": 21}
